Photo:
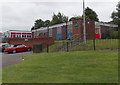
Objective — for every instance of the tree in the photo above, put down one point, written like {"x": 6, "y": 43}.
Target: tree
{"x": 59, "y": 18}
{"x": 38, "y": 23}
{"x": 90, "y": 14}
{"x": 116, "y": 15}
{"x": 56, "y": 19}
{"x": 46, "y": 23}
{"x": 32, "y": 28}
{"x": 74, "y": 18}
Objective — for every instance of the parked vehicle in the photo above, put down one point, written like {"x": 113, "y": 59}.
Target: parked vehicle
{"x": 18, "y": 48}
{"x": 3, "y": 46}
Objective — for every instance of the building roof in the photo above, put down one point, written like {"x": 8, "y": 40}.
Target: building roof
{"x": 18, "y": 31}
{"x": 53, "y": 26}
{"x": 109, "y": 25}
{"x": 63, "y": 24}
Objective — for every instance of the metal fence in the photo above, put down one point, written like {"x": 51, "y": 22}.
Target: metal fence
{"x": 78, "y": 45}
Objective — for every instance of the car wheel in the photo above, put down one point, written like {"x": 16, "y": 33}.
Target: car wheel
{"x": 28, "y": 49}
{"x": 14, "y": 51}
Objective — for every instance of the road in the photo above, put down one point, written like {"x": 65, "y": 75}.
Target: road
{"x": 10, "y": 59}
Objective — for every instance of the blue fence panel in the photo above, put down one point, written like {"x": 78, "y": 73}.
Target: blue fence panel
{"x": 50, "y": 35}
{"x": 70, "y": 35}
{"x": 59, "y": 36}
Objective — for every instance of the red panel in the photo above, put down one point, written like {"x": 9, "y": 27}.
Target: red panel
{"x": 13, "y": 32}
{"x": 29, "y": 33}
{"x": 97, "y": 36}
{"x": 13, "y": 35}
{"x": 24, "y": 33}
{"x": 18, "y": 33}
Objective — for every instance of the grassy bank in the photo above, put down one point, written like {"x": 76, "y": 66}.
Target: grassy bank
{"x": 100, "y": 44}
{"x": 71, "y": 67}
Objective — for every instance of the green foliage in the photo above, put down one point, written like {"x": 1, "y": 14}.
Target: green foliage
{"x": 56, "y": 19}
{"x": 38, "y": 23}
{"x": 59, "y": 18}
{"x": 46, "y": 23}
{"x": 113, "y": 34}
{"x": 74, "y": 18}
{"x": 116, "y": 15}
{"x": 67, "y": 67}
{"x": 90, "y": 14}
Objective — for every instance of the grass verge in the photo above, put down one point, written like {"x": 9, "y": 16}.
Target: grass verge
{"x": 68, "y": 67}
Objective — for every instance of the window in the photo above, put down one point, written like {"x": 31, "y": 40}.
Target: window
{"x": 19, "y": 36}
{"x": 24, "y": 36}
{"x": 97, "y": 31}
{"x": 29, "y": 36}
{"x": 20, "y": 46}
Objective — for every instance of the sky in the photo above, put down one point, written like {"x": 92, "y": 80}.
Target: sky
{"x": 21, "y": 14}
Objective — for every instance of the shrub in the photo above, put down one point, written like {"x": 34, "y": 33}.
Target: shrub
{"x": 113, "y": 34}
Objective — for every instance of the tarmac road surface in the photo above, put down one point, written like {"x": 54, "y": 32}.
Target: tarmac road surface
{"x": 10, "y": 59}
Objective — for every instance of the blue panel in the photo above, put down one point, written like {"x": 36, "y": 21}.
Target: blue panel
{"x": 70, "y": 35}
{"x": 59, "y": 36}
{"x": 50, "y": 35}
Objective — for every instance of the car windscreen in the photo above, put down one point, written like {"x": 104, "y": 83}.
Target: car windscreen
{"x": 15, "y": 45}
{"x": 8, "y": 45}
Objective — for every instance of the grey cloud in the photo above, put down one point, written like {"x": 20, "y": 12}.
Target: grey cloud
{"x": 23, "y": 14}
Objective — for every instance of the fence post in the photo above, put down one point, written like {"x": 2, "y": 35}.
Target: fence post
{"x": 37, "y": 48}
{"x": 47, "y": 48}
{"x": 67, "y": 46}
{"x": 94, "y": 44}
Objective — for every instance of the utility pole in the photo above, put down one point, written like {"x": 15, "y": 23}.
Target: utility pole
{"x": 84, "y": 25}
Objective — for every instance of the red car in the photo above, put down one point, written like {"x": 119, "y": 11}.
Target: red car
{"x": 17, "y": 48}
{"x": 3, "y": 46}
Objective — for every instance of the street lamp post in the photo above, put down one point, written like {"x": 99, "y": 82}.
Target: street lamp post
{"x": 84, "y": 25}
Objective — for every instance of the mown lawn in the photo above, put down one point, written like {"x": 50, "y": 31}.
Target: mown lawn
{"x": 0, "y": 76}
{"x": 68, "y": 67}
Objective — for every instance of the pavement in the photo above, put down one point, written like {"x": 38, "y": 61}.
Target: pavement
{"x": 11, "y": 59}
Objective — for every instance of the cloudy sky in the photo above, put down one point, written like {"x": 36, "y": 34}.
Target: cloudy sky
{"x": 21, "y": 14}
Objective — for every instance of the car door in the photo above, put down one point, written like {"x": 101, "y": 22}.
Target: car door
{"x": 18, "y": 48}
{"x": 23, "y": 48}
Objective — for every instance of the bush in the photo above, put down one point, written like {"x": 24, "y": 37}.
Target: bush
{"x": 113, "y": 34}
